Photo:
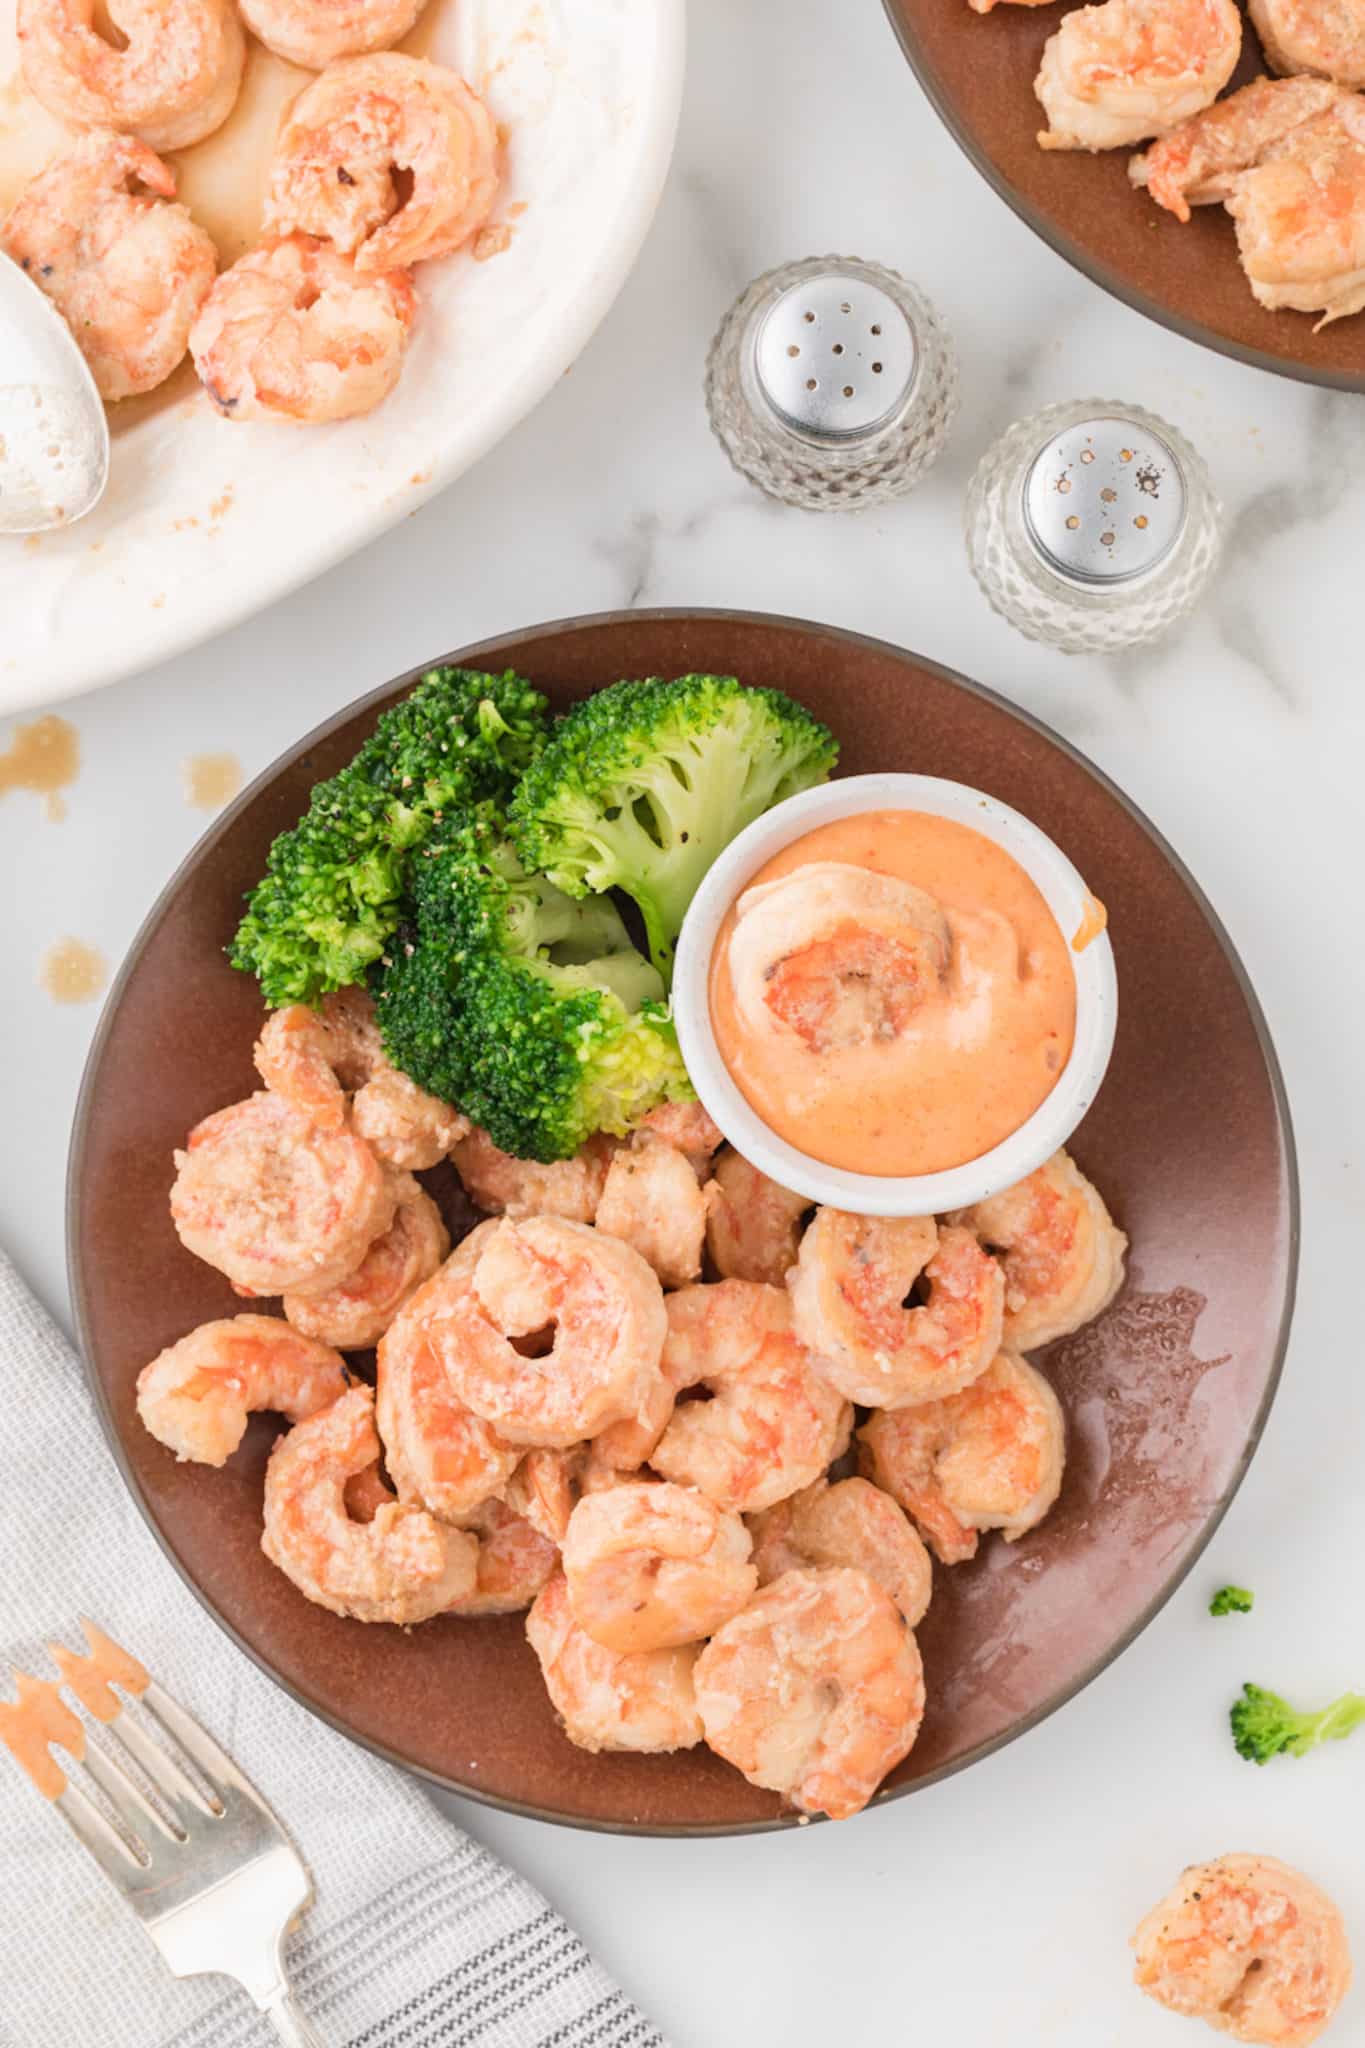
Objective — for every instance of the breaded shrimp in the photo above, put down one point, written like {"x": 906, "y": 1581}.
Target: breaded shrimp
{"x": 772, "y": 1425}
{"x": 331, "y": 1062}
{"x": 753, "y": 1226}
{"x": 356, "y": 1312}
{"x": 602, "y": 1308}
{"x": 440, "y": 1455}
{"x": 363, "y": 121}
{"x": 315, "y": 33}
{"x": 504, "y": 1186}
{"x": 401, "y": 1566}
{"x": 170, "y": 74}
{"x": 196, "y": 1395}
{"x": 988, "y": 1458}
{"x": 1249, "y": 1945}
{"x": 640, "y": 1701}
{"x": 1117, "y": 73}
{"x": 650, "y": 1566}
{"x": 276, "y": 1204}
{"x": 689, "y": 1129}
{"x": 1324, "y": 37}
{"x": 651, "y": 1200}
{"x": 1061, "y": 1253}
{"x": 848, "y": 1290}
{"x": 1199, "y": 163}
{"x": 544, "y": 1489}
{"x": 851, "y": 1523}
{"x": 816, "y": 1690}
{"x": 515, "y": 1561}
{"x": 294, "y": 332}
{"x": 1300, "y": 216}
{"x": 128, "y": 271}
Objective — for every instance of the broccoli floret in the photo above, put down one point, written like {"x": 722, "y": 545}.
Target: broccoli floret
{"x": 533, "y": 1012}
{"x": 642, "y": 785}
{"x": 1232, "y": 1600}
{"x": 335, "y": 887}
{"x": 1263, "y": 1724}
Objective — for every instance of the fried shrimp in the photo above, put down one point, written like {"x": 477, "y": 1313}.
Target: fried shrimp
{"x": 835, "y": 955}
{"x": 651, "y": 1566}
{"x": 1199, "y": 163}
{"x": 651, "y": 1200}
{"x": 171, "y": 77}
{"x": 753, "y": 1226}
{"x": 350, "y": 136}
{"x": 1249, "y": 1945}
{"x": 356, "y": 1312}
{"x": 331, "y": 1063}
{"x": 128, "y": 271}
{"x": 689, "y": 1129}
{"x": 772, "y": 1425}
{"x": 278, "y": 1205}
{"x": 515, "y": 1561}
{"x": 603, "y": 1310}
{"x": 401, "y": 1566}
{"x": 1061, "y": 1253}
{"x": 848, "y": 1290}
{"x": 1300, "y": 216}
{"x": 544, "y": 1490}
{"x": 440, "y": 1455}
{"x": 293, "y": 332}
{"x": 1324, "y": 37}
{"x": 196, "y": 1395}
{"x": 815, "y": 1690}
{"x": 315, "y": 33}
{"x": 640, "y": 1701}
{"x": 1117, "y": 73}
{"x": 850, "y": 1523}
{"x": 988, "y": 1458}
{"x": 504, "y": 1186}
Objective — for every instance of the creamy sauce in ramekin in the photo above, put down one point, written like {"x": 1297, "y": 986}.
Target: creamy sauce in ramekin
{"x": 892, "y": 994}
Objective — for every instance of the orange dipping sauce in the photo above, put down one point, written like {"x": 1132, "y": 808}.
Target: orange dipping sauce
{"x": 892, "y": 994}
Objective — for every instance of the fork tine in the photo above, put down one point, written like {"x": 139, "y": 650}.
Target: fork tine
{"x": 114, "y": 1856}
{"x": 126, "y": 1796}
{"x": 220, "y": 1772}
{"x": 175, "y": 1785}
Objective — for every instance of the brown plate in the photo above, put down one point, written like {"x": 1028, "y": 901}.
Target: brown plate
{"x": 1166, "y": 1396}
{"x": 978, "y": 71}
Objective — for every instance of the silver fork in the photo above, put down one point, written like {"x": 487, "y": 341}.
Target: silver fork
{"x": 214, "y": 1879}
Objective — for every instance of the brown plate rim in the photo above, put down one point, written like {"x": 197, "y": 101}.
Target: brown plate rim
{"x": 482, "y": 653}
{"x": 1080, "y": 258}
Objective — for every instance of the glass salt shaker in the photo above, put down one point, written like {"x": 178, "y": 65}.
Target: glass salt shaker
{"x": 1092, "y": 526}
{"x": 831, "y": 384}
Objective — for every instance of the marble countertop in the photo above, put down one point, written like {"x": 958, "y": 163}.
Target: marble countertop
{"x": 998, "y": 1903}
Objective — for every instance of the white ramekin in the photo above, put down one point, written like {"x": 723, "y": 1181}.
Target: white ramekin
{"x": 922, "y": 1194}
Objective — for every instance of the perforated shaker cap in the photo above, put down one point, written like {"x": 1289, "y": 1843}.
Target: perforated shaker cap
{"x": 835, "y": 357}
{"x": 1104, "y": 501}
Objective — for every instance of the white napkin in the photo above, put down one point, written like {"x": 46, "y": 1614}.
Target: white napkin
{"x": 416, "y": 1936}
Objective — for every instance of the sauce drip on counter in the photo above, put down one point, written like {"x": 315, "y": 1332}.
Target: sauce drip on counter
{"x": 892, "y": 994}
{"x": 39, "y": 1719}
{"x": 211, "y": 780}
{"x": 73, "y": 972}
{"x": 44, "y": 757}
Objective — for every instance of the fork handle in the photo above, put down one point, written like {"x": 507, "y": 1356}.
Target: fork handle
{"x": 290, "y": 2021}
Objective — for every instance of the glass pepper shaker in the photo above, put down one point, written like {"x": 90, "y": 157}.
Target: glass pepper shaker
{"x": 1092, "y": 526}
{"x": 831, "y": 384}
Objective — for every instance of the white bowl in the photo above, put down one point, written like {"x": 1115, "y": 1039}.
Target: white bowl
{"x": 924, "y": 1194}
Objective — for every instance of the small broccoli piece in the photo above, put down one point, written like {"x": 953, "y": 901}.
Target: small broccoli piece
{"x": 335, "y": 887}
{"x": 1232, "y": 1600}
{"x": 642, "y": 785}
{"x": 1264, "y": 1724}
{"x": 530, "y": 1010}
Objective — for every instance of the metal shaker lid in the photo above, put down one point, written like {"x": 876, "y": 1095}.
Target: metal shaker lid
{"x": 835, "y": 357}
{"x": 1104, "y": 501}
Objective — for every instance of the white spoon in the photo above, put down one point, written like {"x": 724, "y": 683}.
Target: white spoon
{"x": 54, "y": 437}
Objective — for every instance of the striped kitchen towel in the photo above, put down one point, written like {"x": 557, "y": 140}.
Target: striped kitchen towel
{"x": 416, "y": 1936}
